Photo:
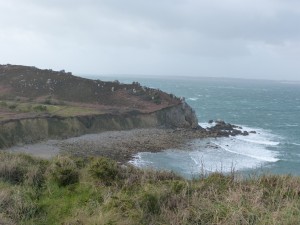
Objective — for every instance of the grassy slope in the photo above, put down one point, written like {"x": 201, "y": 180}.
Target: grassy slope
{"x": 23, "y": 88}
{"x": 98, "y": 191}
{"x": 32, "y": 109}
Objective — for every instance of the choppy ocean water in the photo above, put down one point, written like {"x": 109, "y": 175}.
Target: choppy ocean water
{"x": 272, "y": 108}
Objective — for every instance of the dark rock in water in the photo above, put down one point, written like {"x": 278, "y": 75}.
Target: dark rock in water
{"x": 245, "y": 133}
{"x": 252, "y": 132}
{"x": 222, "y": 129}
{"x": 235, "y": 132}
{"x": 224, "y": 126}
{"x": 210, "y": 121}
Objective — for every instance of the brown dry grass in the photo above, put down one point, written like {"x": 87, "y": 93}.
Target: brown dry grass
{"x": 134, "y": 196}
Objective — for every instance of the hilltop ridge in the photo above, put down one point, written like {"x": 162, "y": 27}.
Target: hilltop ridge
{"x": 30, "y": 83}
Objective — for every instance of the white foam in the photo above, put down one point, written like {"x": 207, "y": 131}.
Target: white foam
{"x": 257, "y": 140}
{"x": 207, "y": 125}
{"x": 138, "y": 160}
{"x": 193, "y": 99}
{"x": 216, "y": 154}
{"x": 217, "y": 160}
{"x": 291, "y": 125}
{"x": 252, "y": 151}
{"x": 296, "y": 144}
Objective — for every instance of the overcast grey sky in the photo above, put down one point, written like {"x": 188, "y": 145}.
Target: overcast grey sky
{"x": 219, "y": 38}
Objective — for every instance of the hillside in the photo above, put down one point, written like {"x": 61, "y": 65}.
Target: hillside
{"x": 29, "y": 84}
{"x": 40, "y": 104}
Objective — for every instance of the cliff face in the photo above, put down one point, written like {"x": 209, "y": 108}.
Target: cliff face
{"x": 32, "y": 130}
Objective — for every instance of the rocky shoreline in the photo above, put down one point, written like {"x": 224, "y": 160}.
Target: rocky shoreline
{"x": 123, "y": 145}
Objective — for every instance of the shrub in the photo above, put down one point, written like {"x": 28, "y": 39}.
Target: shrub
{"x": 12, "y": 107}
{"x": 64, "y": 171}
{"x": 12, "y": 171}
{"x": 3, "y": 104}
{"x": 17, "y": 204}
{"x": 157, "y": 99}
{"x": 40, "y": 108}
{"x": 150, "y": 203}
{"x": 34, "y": 176}
{"x": 19, "y": 168}
{"x": 104, "y": 169}
{"x": 48, "y": 102}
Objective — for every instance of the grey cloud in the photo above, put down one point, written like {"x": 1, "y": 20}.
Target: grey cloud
{"x": 161, "y": 36}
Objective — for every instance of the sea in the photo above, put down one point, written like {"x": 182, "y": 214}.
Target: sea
{"x": 271, "y": 108}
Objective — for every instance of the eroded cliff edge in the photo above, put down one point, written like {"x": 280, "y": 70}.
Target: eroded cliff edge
{"x": 31, "y": 130}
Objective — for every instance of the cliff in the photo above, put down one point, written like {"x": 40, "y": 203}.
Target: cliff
{"x": 30, "y": 130}
{"x": 29, "y": 116}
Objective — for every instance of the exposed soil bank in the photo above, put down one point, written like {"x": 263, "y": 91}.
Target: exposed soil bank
{"x": 33, "y": 130}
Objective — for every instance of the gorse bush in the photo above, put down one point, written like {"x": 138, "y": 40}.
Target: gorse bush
{"x": 64, "y": 171}
{"x": 104, "y": 169}
{"x": 21, "y": 168}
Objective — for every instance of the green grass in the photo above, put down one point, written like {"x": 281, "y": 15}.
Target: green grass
{"x": 128, "y": 196}
{"x": 64, "y": 110}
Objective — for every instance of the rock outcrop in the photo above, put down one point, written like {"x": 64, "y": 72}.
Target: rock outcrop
{"x": 182, "y": 116}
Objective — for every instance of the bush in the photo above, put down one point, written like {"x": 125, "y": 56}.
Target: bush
{"x": 34, "y": 176}
{"x": 12, "y": 171}
{"x": 17, "y": 204}
{"x": 40, "y": 108}
{"x": 12, "y": 107}
{"x": 104, "y": 169}
{"x": 3, "y": 104}
{"x": 64, "y": 171}
{"x": 17, "y": 168}
{"x": 150, "y": 203}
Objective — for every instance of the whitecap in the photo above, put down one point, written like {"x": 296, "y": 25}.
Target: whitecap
{"x": 297, "y": 144}
{"x": 139, "y": 161}
{"x": 193, "y": 99}
{"x": 207, "y": 125}
{"x": 291, "y": 125}
{"x": 257, "y": 140}
{"x": 256, "y": 152}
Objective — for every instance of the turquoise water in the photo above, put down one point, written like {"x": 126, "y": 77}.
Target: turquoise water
{"x": 272, "y": 108}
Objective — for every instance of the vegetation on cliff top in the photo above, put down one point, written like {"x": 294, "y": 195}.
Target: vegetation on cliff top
{"x": 28, "y": 91}
{"x": 69, "y": 190}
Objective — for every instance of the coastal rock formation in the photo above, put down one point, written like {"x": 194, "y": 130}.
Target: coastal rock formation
{"x": 226, "y": 129}
{"x": 40, "y": 104}
{"x": 182, "y": 116}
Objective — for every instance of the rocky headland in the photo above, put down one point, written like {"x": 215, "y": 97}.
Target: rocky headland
{"x": 117, "y": 120}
